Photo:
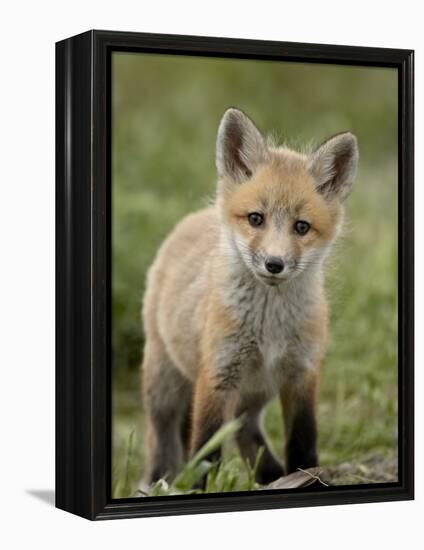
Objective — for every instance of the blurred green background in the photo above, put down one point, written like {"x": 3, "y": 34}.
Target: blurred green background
{"x": 165, "y": 114}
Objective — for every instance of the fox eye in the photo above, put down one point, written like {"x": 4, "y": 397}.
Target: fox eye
{"x": 301, "y": 227}
{"x": 255, "y": 219}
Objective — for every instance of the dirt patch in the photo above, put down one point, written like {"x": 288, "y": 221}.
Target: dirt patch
{"x": 375, "y": 469}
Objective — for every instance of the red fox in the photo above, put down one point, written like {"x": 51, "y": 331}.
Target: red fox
{"x": 235, "y": 312}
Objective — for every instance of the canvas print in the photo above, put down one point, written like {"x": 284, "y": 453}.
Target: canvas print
{"x": 254, "y": 275}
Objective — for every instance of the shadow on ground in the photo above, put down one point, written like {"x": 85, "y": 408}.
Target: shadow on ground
{"x": 45, "y": 495}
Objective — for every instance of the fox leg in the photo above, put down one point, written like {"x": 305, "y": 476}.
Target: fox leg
{"x": 211, "y": 408}
{"x": 167, "y": 395}
{"x": 250, "y": 439}
{"x": 298, "y": 401}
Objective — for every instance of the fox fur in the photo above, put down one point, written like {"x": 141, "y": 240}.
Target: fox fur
{"x": 235, "y": 312}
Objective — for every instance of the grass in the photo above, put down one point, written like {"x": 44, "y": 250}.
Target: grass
{"x": 165, "y": 115}
{"x": 231, "y": 474}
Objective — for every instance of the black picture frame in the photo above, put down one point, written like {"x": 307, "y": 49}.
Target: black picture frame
{"x": 83, "y": 262}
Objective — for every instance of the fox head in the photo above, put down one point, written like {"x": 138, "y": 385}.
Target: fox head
{"x": 281, "y": 209}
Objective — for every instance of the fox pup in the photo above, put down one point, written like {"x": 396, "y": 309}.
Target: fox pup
{"x": 235, "y": 312}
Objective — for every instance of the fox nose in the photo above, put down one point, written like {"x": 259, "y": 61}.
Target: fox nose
{"x": 274, "y": 265}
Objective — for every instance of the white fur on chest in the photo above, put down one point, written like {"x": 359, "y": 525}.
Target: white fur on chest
{"x": 274, "y": 334}
{"x": 272, "y": 319}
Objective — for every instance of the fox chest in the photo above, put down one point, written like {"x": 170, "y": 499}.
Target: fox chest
{"x": 276, "y": 331}
{"x": 270, "y": 345}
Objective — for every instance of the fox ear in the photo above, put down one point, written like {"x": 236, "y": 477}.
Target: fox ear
{"x": 240, "y": 147}
{"x": 333, "y": 165}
